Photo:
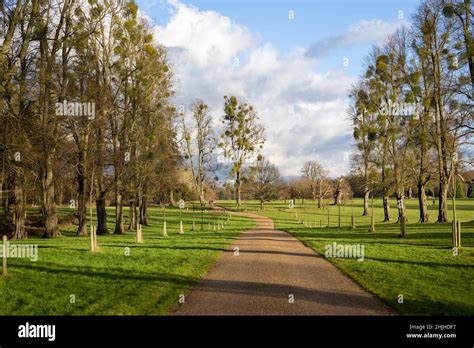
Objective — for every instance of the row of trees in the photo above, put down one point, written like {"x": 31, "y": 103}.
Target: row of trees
{"x": 85, "y": 99}
{"x": 261, "y": 181}
{"x": 412, "y": 109}
{"x": 86, "y": 115}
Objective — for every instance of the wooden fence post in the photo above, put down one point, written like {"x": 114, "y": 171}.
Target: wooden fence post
{"x": 139, "y": 234}
{"x": 93, "y": 239}
{"x": 4, "y": 256}
{"x": 165, "y": 233}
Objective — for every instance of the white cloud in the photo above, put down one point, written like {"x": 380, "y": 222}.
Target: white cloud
{"x": 304, "y": 111}
{"x": 206, "y": 37}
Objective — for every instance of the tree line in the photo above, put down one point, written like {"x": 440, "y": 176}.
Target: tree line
{"x": 88, "y": 119}
{"x": 85, "y": 111}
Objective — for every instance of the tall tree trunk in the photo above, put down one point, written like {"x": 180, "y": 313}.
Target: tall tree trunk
{"x": 82, "y": 197}
{"x": 172, "y": 201}
{"x": 101, "y": 214}
{"x": 20, "y": 209}
{"x": 401, "y": 208}
{"x": 100, "y": 204}
{"x": 119, "y": 229}
{"x": 49, "y": 126}
{"x": 386, "y": 208}
{"x": 117, "y": 142}
{"x": 401, "y": 211}
{"x": 320, "y": 202}
{"x": 467, "y": 30}
{"x": 132, "y": 214}
{"x": 423, "y": 178}
{"x": 440, "y": 135}
{"x": 49, "y": 205}
{"x": 202, "y": 196}
{"x": 443, "y": 202}
{"x": 100, "y": 190}
{"x": 424, "y": 215}
{"x": 6, "y": 200}
{"x": 238, "y": 187}
{"x": 387, "y": 216}
{"x": 202, "y": 200}
{"x": 143, "y": 211}
{"x": 320, "y": 195}
{"x": 338, "y": 197}
{"x": 366, "y": 202}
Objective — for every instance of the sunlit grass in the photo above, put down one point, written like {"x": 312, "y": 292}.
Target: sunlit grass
{"x": 421, "y": 267}
{"x": 147, "y": 282}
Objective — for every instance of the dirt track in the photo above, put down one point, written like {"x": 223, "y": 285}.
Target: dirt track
{"x": 272, "y": 267}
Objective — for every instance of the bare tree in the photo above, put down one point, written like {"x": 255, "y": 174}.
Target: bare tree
{"x": 200, "y": 144}
{"x": 262, "y": 180}
{"x": 318, "y": 181}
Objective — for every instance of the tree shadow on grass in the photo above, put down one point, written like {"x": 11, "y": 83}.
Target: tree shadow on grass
{"x": 175, "y": 247}
{"x": 420, "y": 263}
{"x": 378, "y": 235}
{"x": 425, "y": 306}
{"x": 440, "y": 246}
{"x": 111, "y": 273}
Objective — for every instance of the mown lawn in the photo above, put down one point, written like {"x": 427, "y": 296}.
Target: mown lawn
{"x": 422, "y": 266}
{"x": 148, "y": 281}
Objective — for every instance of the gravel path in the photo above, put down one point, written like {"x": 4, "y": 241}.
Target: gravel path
{"x": 270, "y": 269}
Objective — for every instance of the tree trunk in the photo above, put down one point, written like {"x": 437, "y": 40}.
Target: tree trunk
{"x": 119, "y": 229}
{"x": 443, "y": 202}
{"x": 202, "y": 199}
{"x": 6, "y": 200}
{"x": 320, "y": 195}
{"x": 49, "y": 205}
{"x": 424, "y": 216}
{"x": 468, "y": 39}
{"x": 20, "y": 209}
{"x": 440, "y": 138}
{"x": 401, "y": 208}
{"x": 172, "y": 201}
{"x": 132, "y": 215}
{"x": 101, "y": 215}
{"x": 320, "y": 202}
{"x": 143, "y": 211}
{"x": 366, "y": 203}
{"x": 401, "y": 212}
{"x": 238, "y": 187}
{"x": 386, "y": 209}
{"x": 338, "y": 197}
{"x": 82, "y": 197}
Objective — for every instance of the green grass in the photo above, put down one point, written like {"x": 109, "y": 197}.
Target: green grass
{"x": 421, "y": 266}
{"x": 147, "y": 282}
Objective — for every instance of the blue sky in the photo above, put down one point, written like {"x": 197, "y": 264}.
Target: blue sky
{"x": 314, "y": 20}
{"x": 292, "y": 70}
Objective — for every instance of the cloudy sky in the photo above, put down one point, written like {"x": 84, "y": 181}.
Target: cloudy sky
{"x": 294, "y": 60}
